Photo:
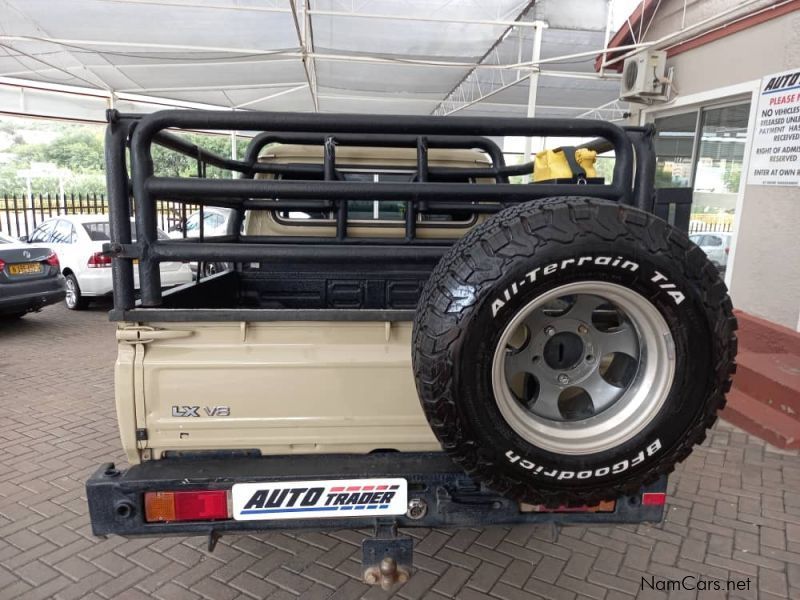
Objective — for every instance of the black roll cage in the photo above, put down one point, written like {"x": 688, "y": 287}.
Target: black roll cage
{"x": 433, "y": 189}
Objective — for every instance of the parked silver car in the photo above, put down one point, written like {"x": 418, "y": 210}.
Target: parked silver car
{"x": 716, "y": 245}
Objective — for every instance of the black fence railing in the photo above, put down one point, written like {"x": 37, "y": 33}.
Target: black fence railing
{"x": 20, "y": 215}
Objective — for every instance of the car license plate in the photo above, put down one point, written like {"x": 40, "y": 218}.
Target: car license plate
{"x": 319, "y": 499}
{"x": 25, "y": 268}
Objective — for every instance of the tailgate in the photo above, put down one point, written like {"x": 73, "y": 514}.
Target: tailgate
{"x": 276, "y": 387}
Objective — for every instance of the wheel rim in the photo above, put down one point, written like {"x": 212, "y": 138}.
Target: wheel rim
{"x": 583, "y": 368}
{"x": 72, "y": 293}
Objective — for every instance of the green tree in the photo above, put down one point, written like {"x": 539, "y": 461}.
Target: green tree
{"x": 168, "y": 163}
{"x": 732, "y": 177}
{"x": 664, "y": 178}
{"x": 604, "y": 166}
{"x": 80, "y": 151}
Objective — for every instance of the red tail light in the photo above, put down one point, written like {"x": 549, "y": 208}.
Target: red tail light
{"x": 654, "y": 499}
{"x": 99, "y": 260}
{"x": 2, "y": 265}
{"x": 201, "y": 505}
{"x": 52, "y": 260}
{"x": 728, "y": 250}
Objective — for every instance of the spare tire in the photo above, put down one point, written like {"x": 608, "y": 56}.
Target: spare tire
{"x": 570, "y": 350}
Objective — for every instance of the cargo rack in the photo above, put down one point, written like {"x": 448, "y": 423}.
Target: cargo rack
{"x": 432, "y": 189}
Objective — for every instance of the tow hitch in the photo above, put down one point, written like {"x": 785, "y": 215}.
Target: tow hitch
{"x": 387, "y": 557}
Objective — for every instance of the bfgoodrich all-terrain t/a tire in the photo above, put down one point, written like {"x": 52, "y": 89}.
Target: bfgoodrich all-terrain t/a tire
{"x": 570, "y": 350}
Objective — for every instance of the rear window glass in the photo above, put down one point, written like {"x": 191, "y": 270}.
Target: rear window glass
{"x": 42, "y": 233}
{"x": 373, "y": 211}
{"x": 101, "y": 232}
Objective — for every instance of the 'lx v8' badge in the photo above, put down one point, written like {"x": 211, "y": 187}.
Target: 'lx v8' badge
{"x": 194, "y": 411}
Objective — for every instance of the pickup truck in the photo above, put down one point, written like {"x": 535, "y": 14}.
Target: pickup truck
{"x": 409, "y": 331}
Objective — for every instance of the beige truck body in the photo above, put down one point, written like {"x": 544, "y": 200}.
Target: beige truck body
{"x": 280, "y": 387}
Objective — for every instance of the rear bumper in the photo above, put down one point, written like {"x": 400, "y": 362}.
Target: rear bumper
{"x": 31, "y": 295}
{"x": 116, "y": 503}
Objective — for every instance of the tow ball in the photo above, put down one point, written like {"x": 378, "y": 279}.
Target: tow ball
{"x": 386, "y": 557}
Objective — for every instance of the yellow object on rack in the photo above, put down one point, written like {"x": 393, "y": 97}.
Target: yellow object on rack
{"x": 555, "y": 164}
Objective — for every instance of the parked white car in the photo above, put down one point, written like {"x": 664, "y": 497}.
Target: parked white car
{"x": 716, "y": 245}
{"x": 78, "y": 240}
{"x": 215, "y": 222}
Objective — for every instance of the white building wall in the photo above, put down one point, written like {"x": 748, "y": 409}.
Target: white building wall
{"x": 766, "y": 263}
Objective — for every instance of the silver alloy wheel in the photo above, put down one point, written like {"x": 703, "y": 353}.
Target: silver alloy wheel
{"x": 72, "y": 293}
{"x": 583, "y": 368}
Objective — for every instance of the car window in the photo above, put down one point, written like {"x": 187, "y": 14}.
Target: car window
{"x": 4, "y": 239}
{"x": 193, "y": 223}
{"x": 713, "y": 240}
{"x": 213, "y": 220}
{"x": 98, "y": 232}
{"x": 696, "y": 239}
{"x": 42, "y": 232}
{"x": 63, "y": 233}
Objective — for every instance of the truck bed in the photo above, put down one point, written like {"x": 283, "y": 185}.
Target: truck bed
{"x": 251, "y": 293}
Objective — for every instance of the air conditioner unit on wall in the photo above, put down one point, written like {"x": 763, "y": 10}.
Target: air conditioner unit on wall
{"x": 643, "y": 77}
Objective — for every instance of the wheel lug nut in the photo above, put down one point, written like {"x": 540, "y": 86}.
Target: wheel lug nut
{"x": 550, "y": 330}
{"x": 563, "y": 379}
{"x": 583, "y": 330}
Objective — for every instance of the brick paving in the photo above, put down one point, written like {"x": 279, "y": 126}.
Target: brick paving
{"x": 733, "y": 512}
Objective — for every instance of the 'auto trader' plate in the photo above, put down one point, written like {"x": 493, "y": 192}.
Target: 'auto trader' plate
{"x": 319, "y": 499}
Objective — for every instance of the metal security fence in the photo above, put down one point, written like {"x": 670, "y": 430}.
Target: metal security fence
{"x": 710, "y": 225}
{"x": 19, "y": 216}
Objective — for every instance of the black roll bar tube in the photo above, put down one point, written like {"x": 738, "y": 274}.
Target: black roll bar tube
{"x": 309, "y": 253}
{"x": 251, "y": 165}
{"x": 643, "y": 141}
{"x": 119, "y": 212}
{"x": 500, "y": 174}
{"x": 409, "y": 126}
{"x": 178, "y": 144}
{"x": 186, "y": 190}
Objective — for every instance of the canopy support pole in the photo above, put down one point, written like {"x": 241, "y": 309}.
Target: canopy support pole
{"x": 533, "y": 84}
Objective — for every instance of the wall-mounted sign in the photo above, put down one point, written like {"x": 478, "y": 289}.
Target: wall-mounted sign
{"x": 775, "y": 154}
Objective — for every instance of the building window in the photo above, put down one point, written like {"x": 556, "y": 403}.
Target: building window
{"x": 704, "y": 149}
{"x": 675, "y": 136}
{"x": 718, "y": 172}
